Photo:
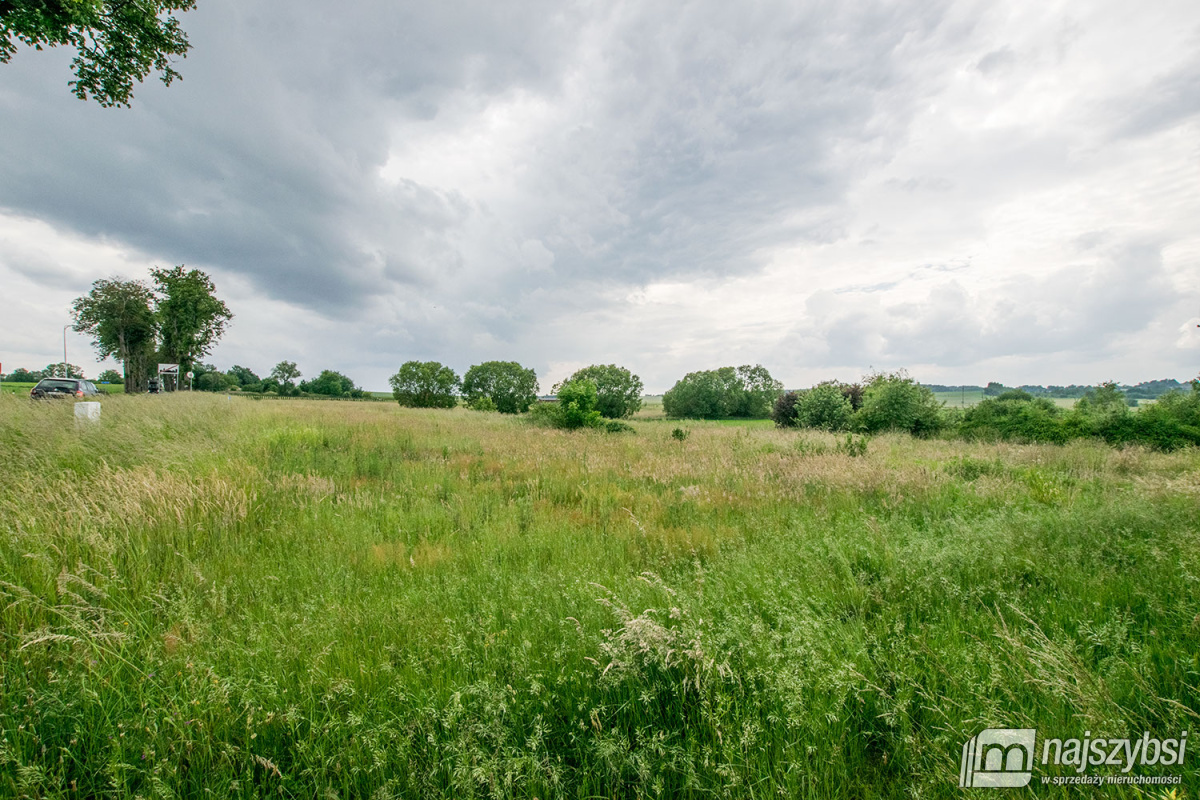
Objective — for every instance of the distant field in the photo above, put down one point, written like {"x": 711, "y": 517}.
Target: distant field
{"x": 652, "y": 411}
{"x": 205, "y": 598}
{"x": 959, "y": 400}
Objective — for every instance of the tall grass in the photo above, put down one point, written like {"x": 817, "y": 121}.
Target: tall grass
{"x": 211, "y": 597}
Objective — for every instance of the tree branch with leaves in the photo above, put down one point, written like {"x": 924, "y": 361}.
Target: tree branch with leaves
{"x": 117, "y": 41}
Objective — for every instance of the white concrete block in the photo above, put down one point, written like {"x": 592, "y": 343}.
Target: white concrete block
{"x": 87, "y": 412}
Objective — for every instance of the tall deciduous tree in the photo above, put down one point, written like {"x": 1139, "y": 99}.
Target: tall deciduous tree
{"x": 425, "y": 384}
{"x": 508, "y": 386}
{"x": 190, "y": 317}
{"x": 117, "y": 41}
{"x": 119, "y": 315}
{"x": 285, "y": 374}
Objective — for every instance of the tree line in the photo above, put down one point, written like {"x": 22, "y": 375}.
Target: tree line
{"x": 895, "y": 402}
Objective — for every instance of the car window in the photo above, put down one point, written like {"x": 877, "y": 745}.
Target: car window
{"x": 68, "y": 386}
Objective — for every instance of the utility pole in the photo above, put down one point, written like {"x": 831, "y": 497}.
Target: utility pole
{"x": 65, "y": 328}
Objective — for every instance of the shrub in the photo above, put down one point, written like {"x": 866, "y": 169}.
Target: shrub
{"x": 726, "y": 392}
{"x": 425, "y": 384}
{"x": 1014, "y": 415}
{"x": 577, "y": 404}
{"x": 510, "y": 387}
{"x": 481, "y": 403}
{"x": 894, "y": 401}
{"x": 680, "y": 434}
{"x": 784, "y": 411}
{"x": 825, "y": 407}
{"x": 618, "y": 391}
{"x": 575, "y": 408}
{"x": 853, "y": 392}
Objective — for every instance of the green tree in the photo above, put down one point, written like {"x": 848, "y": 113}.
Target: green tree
{"x": 110, "y": 376}
{"x": 244, "y": 376}
{"x": 284, "y": 375}
{"x": 329, "y": 383}
{"x": 116, "y": 41}
{"x": 121, "y": 320}
{"x": 618, "y": 391}
{"x": 61, "y": 370}
{"x": 726, "y": 392}
{"x": 757, "y": 394}
{"x": 190, "y": 317}
{"x": 212, "y": 380}
{"x": 425, "y": 384}
{"x": 23, "y": 375}
{"x": 509, "y": 386}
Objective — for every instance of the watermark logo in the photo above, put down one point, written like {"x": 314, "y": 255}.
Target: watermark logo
{"x": 1004, "y": 758}
{"x": 998, "y": 757}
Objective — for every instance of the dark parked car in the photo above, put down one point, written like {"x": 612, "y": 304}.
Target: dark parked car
{"x": 63, "y": 388}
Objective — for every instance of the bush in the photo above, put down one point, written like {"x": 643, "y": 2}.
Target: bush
{"x": 1014, "y": 415}
{"x": 784, "y": 411}
{"x": 618, "y": 391}
{"x": 576, "y": 405}
{"x": 744, "y": 391}
{"x": 825, "y": 407}
{"x": 895, "y": 402}
{"x": 425, "y": 384}
{"x": 575, "y": 408}
{"x": 509, "y": 387}
{"x": 482, "y": 403}
{"x": 853, "y": 392}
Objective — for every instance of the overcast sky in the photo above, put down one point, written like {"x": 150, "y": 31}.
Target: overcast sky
{"x": 972, "y": 191}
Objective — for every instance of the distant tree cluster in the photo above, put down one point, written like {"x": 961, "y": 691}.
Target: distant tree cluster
{"x": 283, "y": 381}
{"x": 1146, "y": 390}
{"x": 59, "y": 370}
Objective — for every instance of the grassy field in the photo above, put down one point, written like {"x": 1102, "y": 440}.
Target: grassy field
{"x": 211, "y": 597}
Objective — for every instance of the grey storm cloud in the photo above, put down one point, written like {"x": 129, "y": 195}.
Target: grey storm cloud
{"x": 562, "y": 182}
{"x": 706, "y": 127}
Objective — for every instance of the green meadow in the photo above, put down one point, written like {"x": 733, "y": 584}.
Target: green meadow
{"x": 206, "y": 596}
